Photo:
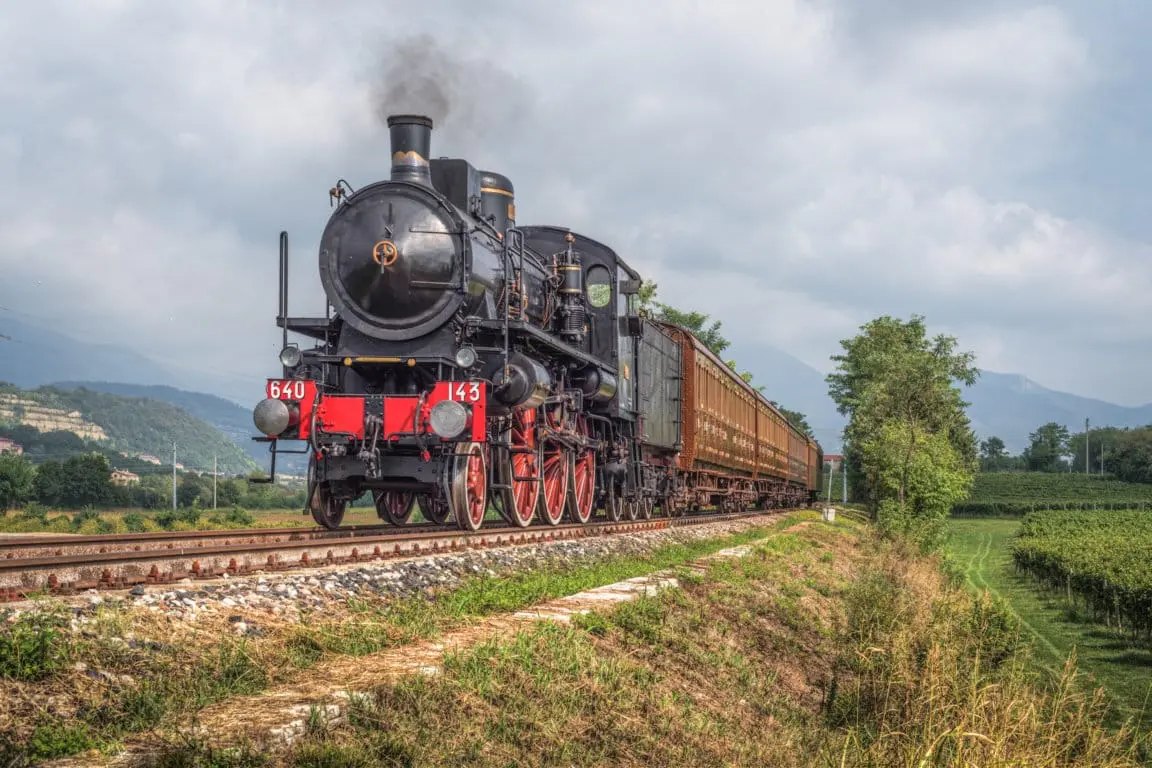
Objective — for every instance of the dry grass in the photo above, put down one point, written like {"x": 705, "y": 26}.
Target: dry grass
{"x": 823, "y": 648}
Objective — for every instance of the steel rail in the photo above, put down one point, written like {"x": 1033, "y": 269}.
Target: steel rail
{"x": 13, "y": 546}
{"x": 21, "y": 578}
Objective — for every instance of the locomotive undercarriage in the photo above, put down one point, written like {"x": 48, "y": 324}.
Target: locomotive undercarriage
{"x": 538, "y": 462}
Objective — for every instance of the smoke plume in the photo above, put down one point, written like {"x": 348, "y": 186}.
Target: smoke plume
{"x": 466, "y": 98}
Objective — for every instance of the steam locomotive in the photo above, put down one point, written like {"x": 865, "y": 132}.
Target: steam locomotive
{"x": 466, "y": 364}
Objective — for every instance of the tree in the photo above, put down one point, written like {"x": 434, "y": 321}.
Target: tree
{"x": 994, "y": 455}
{"x": 17, "y": 481}
{"x": 1048, "y": 447}
{"x": 1102, "y": 442}
{"x": 49, "y": 483}
{"x": 908, "y": 439}
{"x": 87, "y": 480}
{"x": 1131, "y": 457}
{"x": 992, "y": 448}
{"x": 695, "y": 322}
{"x": 192, "y": 488}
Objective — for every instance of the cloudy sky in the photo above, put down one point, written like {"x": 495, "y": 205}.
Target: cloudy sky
{"x": 792, "y": 168}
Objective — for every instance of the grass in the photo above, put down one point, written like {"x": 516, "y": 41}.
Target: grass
{"x": 184, "y": 519}
{"x": 786, "y": 657}
{"x": 1055, "y": 486}
{"x": 983, "y": 549}
{"x": 140, "y": 670}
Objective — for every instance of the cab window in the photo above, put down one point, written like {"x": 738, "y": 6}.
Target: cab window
{"x": 598, "y": 285}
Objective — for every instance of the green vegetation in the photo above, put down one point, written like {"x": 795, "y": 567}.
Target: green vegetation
{"x": 778, "y": 658}
{"x": 85, "y": 481}
{"x": 1059, "y": 630}
{"x": 230, "y": 418}
{"x": 908, "y": 442}
{"x": 1123, "y": 453}
{"x": 172, "y": 676}
{"x": 1099, "y": 559}
{"x": 133, "y": 425}
{"x": 997, "y": 494}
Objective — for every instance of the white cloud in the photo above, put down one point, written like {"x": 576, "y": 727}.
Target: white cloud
{"x": 753, "y": 157}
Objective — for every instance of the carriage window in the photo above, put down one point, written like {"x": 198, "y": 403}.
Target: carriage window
{"x": 599, "y": 282}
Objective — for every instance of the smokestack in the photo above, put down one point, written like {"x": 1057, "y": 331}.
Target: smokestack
{"x": 411, "y": 145}
{"x": 497, "y": 200}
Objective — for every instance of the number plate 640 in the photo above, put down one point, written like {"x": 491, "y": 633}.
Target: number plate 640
{"x": 287, "y": 390}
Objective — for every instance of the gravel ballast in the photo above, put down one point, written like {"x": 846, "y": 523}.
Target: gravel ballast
{"x": 285, "y": 595}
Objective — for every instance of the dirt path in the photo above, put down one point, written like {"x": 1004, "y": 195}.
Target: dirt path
{"x": 276, "y": 717}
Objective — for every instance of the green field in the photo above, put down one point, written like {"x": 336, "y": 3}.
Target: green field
{"x": 1018, "y": 493}
{"x": 983, "y": 547}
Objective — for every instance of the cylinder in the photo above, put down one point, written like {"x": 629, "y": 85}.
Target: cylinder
{"x": 597, "y": 384}
{"x": 411, "y": 137}
{"x": 526, "y": 386}
{"x": 497, "y": 200}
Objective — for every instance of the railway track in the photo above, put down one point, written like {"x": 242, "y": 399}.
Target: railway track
{"x": 64, "y": 565}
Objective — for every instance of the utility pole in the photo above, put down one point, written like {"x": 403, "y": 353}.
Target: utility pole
{"x": 213, "y": 482}
{"x": 1087, "y": 469}
{"x": 844, "y": 480}
{"x": 173, "y": 474}
{"x": 829, "y": 482}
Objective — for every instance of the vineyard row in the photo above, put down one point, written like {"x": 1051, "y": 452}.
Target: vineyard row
{"x": 1101, "y": 560}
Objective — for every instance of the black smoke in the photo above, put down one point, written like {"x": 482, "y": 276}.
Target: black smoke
{"x": 468, "y": 98}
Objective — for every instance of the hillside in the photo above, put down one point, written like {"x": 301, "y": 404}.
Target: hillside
{"x": 230, "y": 418}
{"x": 130, "y": 425}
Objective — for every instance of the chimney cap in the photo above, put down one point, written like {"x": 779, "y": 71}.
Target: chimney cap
{"x": 408, "y": 119}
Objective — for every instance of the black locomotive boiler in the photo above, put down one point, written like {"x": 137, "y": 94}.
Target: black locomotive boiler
{"x": 467, "y": 363}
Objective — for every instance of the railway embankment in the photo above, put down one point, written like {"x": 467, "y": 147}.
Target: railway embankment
{"x": 788, "y": 641}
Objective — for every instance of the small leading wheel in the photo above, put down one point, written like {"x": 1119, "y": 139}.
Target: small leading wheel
{"x": 394, "y": 506}
{"x": 433, "y": 507}
{"x": 467, "y": 486}
{"x": 327, "y": 510}
{"x": 582, "y": 481}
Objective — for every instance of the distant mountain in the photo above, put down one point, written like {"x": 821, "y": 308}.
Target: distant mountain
{"x": 31, "y": 356}
{"x": 1011, "y": 406}
{"x": 131, "y": 425}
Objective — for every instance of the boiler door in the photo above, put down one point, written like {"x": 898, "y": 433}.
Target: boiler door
{"x": 391, "y": 261}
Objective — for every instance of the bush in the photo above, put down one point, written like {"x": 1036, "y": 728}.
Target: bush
{"x": 134, "y": 522}
{"x": 32, "y": 647}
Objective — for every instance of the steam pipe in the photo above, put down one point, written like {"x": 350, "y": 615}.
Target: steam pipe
{"x": 284, "y": 291}
{"x": 411, "y": 137}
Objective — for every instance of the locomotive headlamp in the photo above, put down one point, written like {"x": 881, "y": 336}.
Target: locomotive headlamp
{"x": 448, "y": 418}
{"x": 271, "y": 416}
{"x": 465, "y": 357}
{"x": 290, "y": 356}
